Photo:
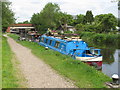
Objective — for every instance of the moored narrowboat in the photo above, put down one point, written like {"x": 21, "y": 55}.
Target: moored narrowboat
{"x": 74, "y": 47}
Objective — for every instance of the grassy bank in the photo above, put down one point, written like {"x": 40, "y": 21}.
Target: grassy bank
{"x": 10, "y": 73}
{"x": 83, "y": 75}
{"x": 101, "y": 39}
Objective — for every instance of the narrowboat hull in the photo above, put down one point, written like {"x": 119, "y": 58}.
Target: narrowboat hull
{"x": 92, "y": 61}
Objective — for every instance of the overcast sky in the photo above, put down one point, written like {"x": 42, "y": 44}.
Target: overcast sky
{"x": 24, "y": 9}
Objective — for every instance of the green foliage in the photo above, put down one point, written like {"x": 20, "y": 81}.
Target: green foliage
{"x": 88, "y": 18}
{"x": 65, "y": 19}
{"x": 14, "y": 36}
{"x": 87, "y": 27}
{"x": 84, "y": 20}
{"x": 7, "y": 15}
{"x": 105, "y": 22}
{"x": 68, "y": 32}
{"x": 48, "y": 15}
{"x": 47, "y": 18}
{"x": 51, "y": 17}
{"x": 80, "y": 18}
{"x": 100, "y": 39}
{"x": 79, "y": 27}
{"x": 24, "y": 22}
{"x": 119, "y": 5}
{"x": 118, "y": 22}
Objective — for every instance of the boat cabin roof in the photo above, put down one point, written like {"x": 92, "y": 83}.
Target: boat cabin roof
{"x": 62, "y": 40}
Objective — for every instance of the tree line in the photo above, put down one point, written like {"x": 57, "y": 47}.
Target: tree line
{"x": 51, "y": 17}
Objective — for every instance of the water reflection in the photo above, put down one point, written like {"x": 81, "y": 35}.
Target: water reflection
{"x": 111, "y": 57}
{"x": 108, "y": 56}
{"x": 110, "y": 69}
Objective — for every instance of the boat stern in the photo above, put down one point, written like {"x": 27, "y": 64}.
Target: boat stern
{"x": 92, "y": 61}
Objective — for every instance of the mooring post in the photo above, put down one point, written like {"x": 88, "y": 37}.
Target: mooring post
{"x": 115, "y": 79}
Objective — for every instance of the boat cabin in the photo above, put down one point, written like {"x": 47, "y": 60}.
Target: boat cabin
{"x": 72, "y": 47}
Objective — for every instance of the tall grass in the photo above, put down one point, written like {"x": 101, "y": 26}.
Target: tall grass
{"x": 83, "y": 75}
{"x": 9, "y": 77}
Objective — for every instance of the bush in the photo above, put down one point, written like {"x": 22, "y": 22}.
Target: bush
{"x": 100, "y": 38}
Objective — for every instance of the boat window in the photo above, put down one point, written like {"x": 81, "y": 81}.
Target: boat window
{"x": 46, "y": 40}
{"x": 57, "y": 44}
{"x": 42, "y": 39}
{"x": 88, "y": 52}
{"x": 50, "y": 42}
{"x": 95, "y": 51}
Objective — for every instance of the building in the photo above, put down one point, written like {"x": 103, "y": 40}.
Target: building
{"x": 17, "y": 28}
{"x": 71, "y": 28}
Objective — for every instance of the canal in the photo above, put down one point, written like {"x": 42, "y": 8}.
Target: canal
{"x": 111, "y": 57}
{"x": 111, "y": 61}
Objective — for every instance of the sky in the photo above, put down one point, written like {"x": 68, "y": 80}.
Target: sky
{"x": 24, "y": 9}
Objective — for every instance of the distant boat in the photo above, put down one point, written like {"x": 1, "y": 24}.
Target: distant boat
{"x": 74, "y": 47}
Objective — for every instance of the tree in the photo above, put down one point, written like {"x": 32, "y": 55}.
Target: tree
{"x": 49, "y": 15}
{"x": 80, "y": 19}
{"x": 119, "y": 14}
{"x": 84, "y": 20}
{"x": 24, "y": 22}
{"x": 47, "y": 18}
{"x": 7, "y": 15}
{"x": 88, "y": 17}
{"x": 79, "y": 27}
{"x": 36, "y": 21}
{"x": 105, "y": 22}
{"x": 119, "y": 5}
{"x": 65, "y": 19}
{"x": 118, "y": 22}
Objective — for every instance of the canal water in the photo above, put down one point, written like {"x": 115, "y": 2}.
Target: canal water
{"x": 111, "y": 61}
{"x": 111, "y": 58}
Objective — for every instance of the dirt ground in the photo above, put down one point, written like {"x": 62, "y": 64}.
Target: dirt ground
{"x": 36, "y": 72}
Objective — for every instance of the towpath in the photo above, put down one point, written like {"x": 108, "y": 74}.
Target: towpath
{"x": 37, "y": 73}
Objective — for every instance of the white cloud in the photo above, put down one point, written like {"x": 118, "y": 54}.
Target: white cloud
{"x": 24, "y": 9}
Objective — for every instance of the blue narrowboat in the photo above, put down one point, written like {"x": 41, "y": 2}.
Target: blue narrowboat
{"x": 73, "y": 47}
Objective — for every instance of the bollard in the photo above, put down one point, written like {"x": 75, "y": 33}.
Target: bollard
{"x": 46, "y": 48}
{"x": 115, "y": 79}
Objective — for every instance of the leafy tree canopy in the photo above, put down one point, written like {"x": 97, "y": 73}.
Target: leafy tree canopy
{"x": 47, "y": 18}
{"x": 105, "y": 22}
{"x": 7, "y": 15}
{"x": 88, "y": 18}
{"x": 24, "y": 22}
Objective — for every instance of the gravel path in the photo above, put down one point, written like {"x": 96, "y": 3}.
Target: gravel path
{"x": 37, "y": 73}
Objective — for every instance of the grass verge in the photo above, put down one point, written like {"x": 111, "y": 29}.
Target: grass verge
{"x": 10, "y": 73}
{"x": 83, "y": 75}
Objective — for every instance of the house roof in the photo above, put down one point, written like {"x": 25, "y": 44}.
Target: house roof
{"x": 21, "y": 25}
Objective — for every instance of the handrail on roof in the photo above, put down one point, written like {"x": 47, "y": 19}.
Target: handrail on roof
{"x": 64, "y": 36}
